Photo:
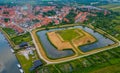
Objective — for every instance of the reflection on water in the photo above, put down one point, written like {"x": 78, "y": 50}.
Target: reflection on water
{"x": 102, "y": 41}
{"x": 8, "y": 61}
{"x": 50, "y": 49}
{"x": 1, "y": 67}
{"x": 52, "y": 52}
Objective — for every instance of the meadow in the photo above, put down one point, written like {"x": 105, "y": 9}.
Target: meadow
{"x": 103, "y": 62}
{"x": 22, "y": 38}
{"x": 10, "y": 32}
{"x": 113, "y": 7}
{"x": 68, "y": 34}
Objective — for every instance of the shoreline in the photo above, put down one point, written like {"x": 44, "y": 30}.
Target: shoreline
{"x": 11, "y": 44}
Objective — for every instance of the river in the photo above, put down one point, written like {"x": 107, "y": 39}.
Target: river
{"x": 8, "y": 60}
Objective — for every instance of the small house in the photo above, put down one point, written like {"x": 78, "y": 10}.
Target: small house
{"x": 36, "y": 64}
{"x": 23, "y": 44}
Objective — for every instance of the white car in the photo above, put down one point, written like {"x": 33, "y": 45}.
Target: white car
{"x": 21, "y": 70}
{"x": 12, "y": 50}
{"x": 19, "y": 65}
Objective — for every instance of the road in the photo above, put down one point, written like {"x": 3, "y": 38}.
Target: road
{"x": 37, "y": 48}
{"x": 89, "y": 53}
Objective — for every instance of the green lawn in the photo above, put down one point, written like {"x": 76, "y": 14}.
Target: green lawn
{"x": 10, "y": 31}
{"x": 117, "y": 28}
{"x": 68, "y": 34}
{"x": 114, "y": 7}
{"x": 109, "y": 69}
{"x": 47, "y": 69}
{"x": 22, "y": 38}
{"x": 118, "y": 36}
{"x": 108, "y": 6}
{"x": 17, "y": 39}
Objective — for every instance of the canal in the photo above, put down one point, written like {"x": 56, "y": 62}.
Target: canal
{"x": 52, "y": 51}
{"x": 8, "y": 61}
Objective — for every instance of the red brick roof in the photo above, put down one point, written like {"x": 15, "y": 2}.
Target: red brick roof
{"x": 17, "y": 28}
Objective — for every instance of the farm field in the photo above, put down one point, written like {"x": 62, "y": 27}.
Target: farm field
{"x": 117, "y": 27}
{"x": 113, "y": 7}
{"x": 110, "y": 69}
{"x": 103, "y": 62}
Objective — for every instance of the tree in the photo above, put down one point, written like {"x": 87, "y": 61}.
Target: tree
{"x": 6, "y": 19}
{"x": 49, "y": 13}
{"x": 70, "y": 17}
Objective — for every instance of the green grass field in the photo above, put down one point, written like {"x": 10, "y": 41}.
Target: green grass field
{"x": 10, "y": 32}
{"x": 103, "y": 62}
{"x": 27, "y": 64}
{"x": 68, "y": 34}
{"x": 117, "y": 27}
{"x": 113, "y": 7}
{"x": 22, "y": 38}
{"x": 109, "y": 69}
{"x": 47, "y": 69}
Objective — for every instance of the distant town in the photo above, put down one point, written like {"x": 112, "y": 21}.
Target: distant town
{"x": 55, "y": 37}
{"x": 25, "y": 18}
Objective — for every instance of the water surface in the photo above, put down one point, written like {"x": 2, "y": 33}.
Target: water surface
{"x": 52, "y": 52}
{"x": 102, "y": 41}
{"x": 8, "y": 61}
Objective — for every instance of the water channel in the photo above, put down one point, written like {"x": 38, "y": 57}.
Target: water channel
{"x": 8, "y": 60}
{"x": 52, "y": 52}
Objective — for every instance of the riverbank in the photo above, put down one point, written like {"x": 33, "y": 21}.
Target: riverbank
{"x": 7, "y": 58}
{"x": 8, "y": 38}
{"x": 24, "y": 63}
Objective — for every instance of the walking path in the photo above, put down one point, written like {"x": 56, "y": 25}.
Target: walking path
{"x": 77, "y": 57}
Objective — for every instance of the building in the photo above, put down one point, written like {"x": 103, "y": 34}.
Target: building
{"x": 23, "y": 44}
{"x": 36, "y": 64}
